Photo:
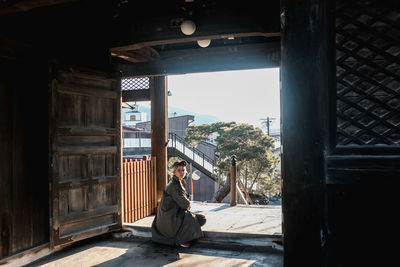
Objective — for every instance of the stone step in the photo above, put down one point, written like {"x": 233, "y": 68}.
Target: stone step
{"x": 211, "y": 238}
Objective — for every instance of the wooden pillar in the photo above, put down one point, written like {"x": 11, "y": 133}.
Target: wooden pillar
{"x": 307, "y": 73}
{"x": 159, "y": 130}
{"x": 233, "y": 181}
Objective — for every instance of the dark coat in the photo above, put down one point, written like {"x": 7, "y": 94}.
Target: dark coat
{"x": 174, "y": 224}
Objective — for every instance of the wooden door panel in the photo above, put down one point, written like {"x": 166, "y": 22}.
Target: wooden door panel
{"x": 86, "y": 156}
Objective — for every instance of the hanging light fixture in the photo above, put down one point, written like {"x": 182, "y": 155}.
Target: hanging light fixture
{"x": 188, "y": 27}
{"x": 204, "y": 43}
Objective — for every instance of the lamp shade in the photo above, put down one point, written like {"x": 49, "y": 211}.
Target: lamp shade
{"x": 188, "y": 27}
{"x": 204, "y": 43}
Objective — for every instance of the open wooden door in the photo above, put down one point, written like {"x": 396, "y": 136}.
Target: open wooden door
{"x": 85, "y": 134}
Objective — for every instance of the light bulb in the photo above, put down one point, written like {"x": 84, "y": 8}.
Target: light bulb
{"x": 188, "y": 27}
{"x": 204, "y": 43}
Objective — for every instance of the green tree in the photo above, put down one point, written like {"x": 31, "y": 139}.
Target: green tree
{"x": 255, "y": 160}
{"x": 197, "y": 133}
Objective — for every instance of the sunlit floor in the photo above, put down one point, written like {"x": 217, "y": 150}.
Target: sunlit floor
{"x": 256, "y": 219}
{"x": 234, "y": 236}
{"x": 108, "y": 251}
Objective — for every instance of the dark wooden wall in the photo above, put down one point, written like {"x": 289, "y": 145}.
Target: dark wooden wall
{"x": 363, "y": 167}
{"x": 24, "y": 197}
{"x": 28, "y": 44}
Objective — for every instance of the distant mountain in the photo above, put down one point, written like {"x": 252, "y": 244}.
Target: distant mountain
{"x": 198, "y": 118}
{"x": 173, "y": 111}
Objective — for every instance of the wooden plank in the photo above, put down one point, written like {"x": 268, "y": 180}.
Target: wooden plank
{"x": 82, "y": 216}
{"x": 74, "y": 89}
{"x": 79, "y": 183}
{"x": 83, "y": 75}
{"x": 123, "y": 192}
{"x": 86, "y": 140}
{"x": 90, "y": 131}
{"x": 118, "y": 142}
{"x": 244, "y": 189}
{"x": 140, "y": 192}
{"x": 241, "y": 195}
{"x": 137, "y": 55}
{"x": 99, "y": 82}
{"x": 155, "y": 190}
{"x": 53, "y": 171}
{"x": 84, "y": 234}
{"x": 80, "y": 227}
{"x": 146, "y": 187}
{"x": 86, "y": 150}
{"x": 131, "y": 201}
{"x": 135, "y": 182}
{"x": 149, "y": 190}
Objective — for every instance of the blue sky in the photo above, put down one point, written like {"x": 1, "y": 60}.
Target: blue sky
{"x": 244, "y": 96}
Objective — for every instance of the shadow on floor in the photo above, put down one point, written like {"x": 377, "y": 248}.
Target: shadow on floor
{"x": 108, "y": 251}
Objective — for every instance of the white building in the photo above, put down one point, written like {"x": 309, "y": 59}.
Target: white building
{"x": 132, "y": 115}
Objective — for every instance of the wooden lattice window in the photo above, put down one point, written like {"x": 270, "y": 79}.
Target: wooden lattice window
{"x": 368, "y": 73}
{"x": 140, "y": 83}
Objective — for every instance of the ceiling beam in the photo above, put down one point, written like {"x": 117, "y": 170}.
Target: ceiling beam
{"x": 139, "y": 55}
{"x": 140, "y": 45}
{"x": 210, "y": 59}
{"x": 10, "y": 7}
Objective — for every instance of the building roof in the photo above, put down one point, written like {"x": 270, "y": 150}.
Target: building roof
{"x": 132, "y": 129}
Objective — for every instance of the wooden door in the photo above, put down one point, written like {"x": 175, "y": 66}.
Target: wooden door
{"x": 85, "y": 147}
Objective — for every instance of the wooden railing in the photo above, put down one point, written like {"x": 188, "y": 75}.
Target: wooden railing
{"x": 138, "y": 188}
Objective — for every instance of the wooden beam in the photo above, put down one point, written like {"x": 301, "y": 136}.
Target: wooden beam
{"x": 213, "y": 19}
{"x": 237, "y": 57}
{"x": 240, "y": 193}
{"x": 10, "y": 7}
{"x": 159, "y": 130}
{"x": 135, "y": 95}
{"x": 138, "y": 55}
{"x": 140, "y": 45}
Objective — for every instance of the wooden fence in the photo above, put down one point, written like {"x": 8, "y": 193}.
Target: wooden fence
{"x": 139, "y": 188}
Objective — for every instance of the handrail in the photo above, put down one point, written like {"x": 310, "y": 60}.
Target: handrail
{"x": 181, "y": 145}
{"x": 174, "y": 138}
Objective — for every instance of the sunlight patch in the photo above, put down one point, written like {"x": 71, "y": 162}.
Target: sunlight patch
{"x": 202, "y": 260}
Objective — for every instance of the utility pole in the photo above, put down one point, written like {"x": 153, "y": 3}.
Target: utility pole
{"x": 268, "y": 122}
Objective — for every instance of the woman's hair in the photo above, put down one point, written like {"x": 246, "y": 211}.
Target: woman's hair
{"x": 176, "y": 164}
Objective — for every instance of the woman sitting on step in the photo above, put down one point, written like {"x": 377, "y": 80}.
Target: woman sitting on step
{"x": 174, "y": 224}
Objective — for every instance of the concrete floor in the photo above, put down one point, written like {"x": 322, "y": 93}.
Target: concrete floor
{"x": 109, "y": 251}
{"x": 234, "y": 236}
{"x": 256, "y": 219}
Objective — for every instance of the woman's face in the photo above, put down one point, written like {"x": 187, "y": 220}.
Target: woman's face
{"x": 180, "y": 172}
